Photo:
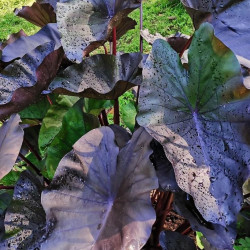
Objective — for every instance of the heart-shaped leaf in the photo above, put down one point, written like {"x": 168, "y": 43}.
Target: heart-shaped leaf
{"x": 22, "y": 82}
{"x": 38, "y": 14}
{"x": 11, "y": 139}
{"x": 201, "y": 117}
{"x": 85, "y": 25}
{"x": 25, "y": 217}
{"x": 230, "y": 19}
{"x": 100, "y": 196}
{"x": 100, "y": 76}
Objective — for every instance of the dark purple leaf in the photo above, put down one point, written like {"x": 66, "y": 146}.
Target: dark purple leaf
{"x": 12, "y": 38}
{"x": 219, "y": 236}
{"x": 173, "y": 241}
{"x": 85, "y": 25}
{"x": 25, "y": 45}
{"x": 22, "y": 82}
{"x": 11, "y": 139}
{"x": 38, "y": 14}
{"x": 51, "y": 2}
{"x": 99, "y": 76}
{"x": 202, "y": 119}
{"x": 100, "y": 195}
{"x": 121, "y": 135}
{"x": 25, "y": 217}
{"x": 230, "y": 19}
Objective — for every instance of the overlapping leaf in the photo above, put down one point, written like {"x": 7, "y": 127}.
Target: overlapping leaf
{"x": 25, "y": 218}
{"x": 22, "y": 82}
{"x": 99, "y": 196}
{"x": 38, "y": 14}
{"x": 230, "y": 19}
{"x": 26, "y": 44}
{"x": 11, "y": 139}
{"x": 85, "y": 25}
{"x": 100, "y": 76}
{"x": 201, "y": 118}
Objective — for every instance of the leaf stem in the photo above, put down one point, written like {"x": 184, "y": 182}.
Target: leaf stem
{"x": 6, "y": 187}
{"x": 49, "y": 100}
{"x": 188, "y": 43}
{"x": 32, "y": 149}
{"x": 105, "y": 118}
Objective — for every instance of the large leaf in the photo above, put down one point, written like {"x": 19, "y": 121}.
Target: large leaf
{"x": 11, "y": 139}
{"x": 230, "y": 19}
{"x": 75, "y": 124}
{"x": 99, "y": 76}
{"x": 26, "y": 44}
{"x": 22, "y": 82}
{"x": 25, "y": 217}
{"x": 52, "y": 122}
{"x": 94, "y": 107}
{"x": 100, "y": 196}
{"x": 38, "y": 14}
{"x": 201, "y": 117}
{"x": 85, "y": 25}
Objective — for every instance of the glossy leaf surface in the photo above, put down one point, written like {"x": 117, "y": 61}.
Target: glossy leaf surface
{"x": 201, "y": 117}
{"x": 230, "y": 19}
{"x": 85, "y": 25}
{"x": 99, "y": 76}
{"x": 11, "y": 139}
{"x": 100, "y": 196}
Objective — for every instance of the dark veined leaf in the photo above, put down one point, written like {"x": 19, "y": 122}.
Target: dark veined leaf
{"x": 22, "y": 82}
{"x": 25, "y": 217}
{"x": 217, "y": 235}
{"x": 52, "y": 122}
{"x": 201, "y": 117}
{"x": 51, "y": 2}
{"x": 99, "y": 76}
{"x": 100, "y": 196}
{"x": 230, "y": 19}
{"x": 11, "y": 139}
{"x": 38, "y": 14}
{"x": 121, "y": 135}
{"x": 75, "y": 124}
{"x": 173, "y": 241}
{"x": 85, "y": 25}
{"x": 26, "y": 44}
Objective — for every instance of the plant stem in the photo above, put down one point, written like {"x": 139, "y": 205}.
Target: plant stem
{"x": 6, "y": 187}
{"x": 105, "y": 118}
{"x": 33, "y": 167}
{"x": 100, "y": 120}
{"x": 116, "y": 104}
{"x": 184, "y": 228}
{"x": 49, "y": 100}
{"x": 105, "y": 49}
{"x": 32, "y": 150}
{"x": 186, "y": 46}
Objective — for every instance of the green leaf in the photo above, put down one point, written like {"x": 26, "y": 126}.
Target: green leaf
{"x": 52, "y": 122}
{"x": 201, "y": 117}
{"x": 36, "y": 111}
{"x": 244, "y": 244}
{"x": 198, "y": 240}
{"x": 128, "y": 114}
{"x": 75, "y": 124}
{"x": 11, "y": 178}
{"x": 94, "y": 106}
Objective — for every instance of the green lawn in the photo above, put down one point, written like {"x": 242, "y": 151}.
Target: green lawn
{"x": 163, "y": 16}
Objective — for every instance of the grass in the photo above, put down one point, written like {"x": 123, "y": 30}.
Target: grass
{"x": 163, "y": 16}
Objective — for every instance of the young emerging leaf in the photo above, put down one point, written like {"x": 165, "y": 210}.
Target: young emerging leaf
{"x": 230, "y": 19}
{"x": 11, "y": 139}
{"x": 100, "y": 195}
{"x": 25, "y": 217}
{"x": 100, "y": 76}
{"x": 201, "y": 117}
{"x": 85, "y": 25}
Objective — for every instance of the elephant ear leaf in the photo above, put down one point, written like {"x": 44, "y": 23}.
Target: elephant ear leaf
{"x": 100, "y": 194}
{"x": 11, "y": 139}
{"x": 201, "y": 117}
{"x": 85, "y": 25}
{"x": 100, "y": 76}
{"x": 229, "y": 18}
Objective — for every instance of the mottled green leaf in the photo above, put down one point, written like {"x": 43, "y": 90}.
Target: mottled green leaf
{"x": 128, "y": 114}
{"x": 94, "y": 106}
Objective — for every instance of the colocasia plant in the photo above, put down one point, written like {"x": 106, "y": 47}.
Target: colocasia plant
{"x": 70, "y": 180}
